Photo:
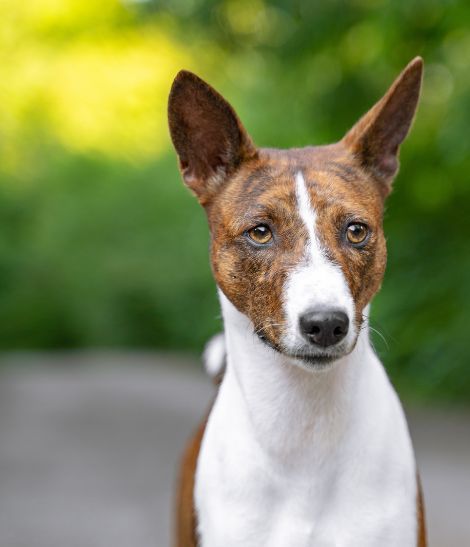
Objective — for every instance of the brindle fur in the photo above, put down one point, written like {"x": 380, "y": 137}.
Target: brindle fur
{"x": 241, "y": 186}
{"x": 186, "y": 524}
{"x": 241, "y": 270}
{"x": 422, "y": 536}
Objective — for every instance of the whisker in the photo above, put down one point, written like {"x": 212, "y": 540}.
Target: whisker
{"x": 381, "y": 336}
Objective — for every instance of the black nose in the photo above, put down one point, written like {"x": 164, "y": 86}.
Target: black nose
{"x": 324, "y": 328}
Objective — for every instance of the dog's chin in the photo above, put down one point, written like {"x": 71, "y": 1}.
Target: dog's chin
{"x": 316, "y": 361}
{"x": 307, "y": 358}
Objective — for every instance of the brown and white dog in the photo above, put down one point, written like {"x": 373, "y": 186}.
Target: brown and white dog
{"x": 306, "y": 443}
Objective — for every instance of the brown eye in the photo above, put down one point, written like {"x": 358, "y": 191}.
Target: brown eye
{"x": 260, "y": 234}
{"x": 357, "y": 233}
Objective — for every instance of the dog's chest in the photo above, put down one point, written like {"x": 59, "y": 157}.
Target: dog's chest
{"x": 355, "y": 495}
{"x": 242, "y": 501}
{"x": 244, "y": 504}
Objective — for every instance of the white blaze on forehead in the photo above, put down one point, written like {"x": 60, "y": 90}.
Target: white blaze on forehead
{"x": 308, "y": 215}
{"x": 316, "y": 283}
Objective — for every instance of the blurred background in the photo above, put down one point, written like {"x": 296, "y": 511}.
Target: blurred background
{"x": 106, "y": 296}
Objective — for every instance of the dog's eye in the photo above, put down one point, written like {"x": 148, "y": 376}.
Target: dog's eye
{"x": 357, "y": 233}
{"x": 260, "y": 234}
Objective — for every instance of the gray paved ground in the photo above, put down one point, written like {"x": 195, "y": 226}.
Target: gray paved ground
{"x": 89, "y": 443}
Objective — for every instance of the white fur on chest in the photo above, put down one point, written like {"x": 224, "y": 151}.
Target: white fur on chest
{"x": 295, "y": 459}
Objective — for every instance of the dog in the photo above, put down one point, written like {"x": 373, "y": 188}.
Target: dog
{"x": 306, "y": 443}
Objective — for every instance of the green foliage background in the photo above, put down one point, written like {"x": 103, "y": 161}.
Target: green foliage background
{"x": 100, "y": 244}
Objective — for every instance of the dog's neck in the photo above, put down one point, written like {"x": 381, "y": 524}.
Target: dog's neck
{"x": 286, "y": 406}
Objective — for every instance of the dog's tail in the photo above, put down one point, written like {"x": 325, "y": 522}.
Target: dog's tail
{"x": 215, "y": 357}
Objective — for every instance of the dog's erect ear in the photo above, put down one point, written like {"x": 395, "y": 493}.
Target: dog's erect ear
{"x": 376, "y": 137}
{"x": 207, "y": 134}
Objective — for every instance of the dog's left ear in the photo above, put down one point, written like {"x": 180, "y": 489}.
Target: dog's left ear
{"x": 208, "y": 136}
{"x": 376, "y": 137}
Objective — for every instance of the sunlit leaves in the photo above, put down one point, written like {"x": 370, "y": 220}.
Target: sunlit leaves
{"x": 88, "y": 80}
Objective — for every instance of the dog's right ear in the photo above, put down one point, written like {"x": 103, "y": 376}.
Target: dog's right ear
{"x": 208, "y": 136}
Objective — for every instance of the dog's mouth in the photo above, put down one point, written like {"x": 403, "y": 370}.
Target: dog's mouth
{"x": 316, "y": 359}
{"x": 307, "y": 357}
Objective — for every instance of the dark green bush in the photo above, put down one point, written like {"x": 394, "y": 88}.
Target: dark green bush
{"x": 108, "y": 250}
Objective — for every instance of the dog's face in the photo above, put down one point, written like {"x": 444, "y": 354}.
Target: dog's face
{"x": 296, "y": 235}
{"x": 296, "y": 242}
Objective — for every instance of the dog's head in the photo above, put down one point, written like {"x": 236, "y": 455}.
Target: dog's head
{"x": 297, "y": 243}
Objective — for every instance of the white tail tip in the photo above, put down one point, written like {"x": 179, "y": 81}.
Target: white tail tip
{"x": 214, "y": 356}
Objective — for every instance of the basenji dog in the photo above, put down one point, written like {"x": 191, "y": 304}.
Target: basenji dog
{"x": 306, "y": 443}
